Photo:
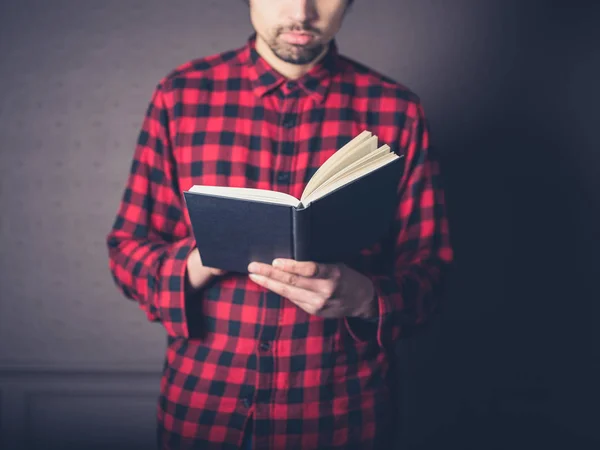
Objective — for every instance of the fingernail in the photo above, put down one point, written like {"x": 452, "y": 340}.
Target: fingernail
{"x": 277, "y": 263}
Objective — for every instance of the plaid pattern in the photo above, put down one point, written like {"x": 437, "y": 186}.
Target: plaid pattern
{"x": 236, "y": 351}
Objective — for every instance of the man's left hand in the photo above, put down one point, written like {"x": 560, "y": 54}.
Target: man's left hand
{"x": 326, "y": 290}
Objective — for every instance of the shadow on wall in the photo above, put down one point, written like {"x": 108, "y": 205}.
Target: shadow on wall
{"x": 513, "y": 352}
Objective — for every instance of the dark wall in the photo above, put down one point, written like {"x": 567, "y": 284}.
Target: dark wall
{"x": 521, "y": 153}
{"x": 511, "y": 89}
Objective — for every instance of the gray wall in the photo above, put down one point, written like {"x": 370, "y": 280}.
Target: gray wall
{"x": 508, "y": 88}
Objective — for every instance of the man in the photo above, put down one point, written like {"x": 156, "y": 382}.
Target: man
{"x": 295, "y": 355}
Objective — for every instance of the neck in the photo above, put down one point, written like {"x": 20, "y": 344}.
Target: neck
{"x": 288, "y": 70}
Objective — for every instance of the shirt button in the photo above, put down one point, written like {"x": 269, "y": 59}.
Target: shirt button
{"x": 291, "y": 85}
{"x": 247, "y": 402}
{"x": 283, "y": 177}
{"x": 264, "y": 346}
{"x": 289, "y": 122}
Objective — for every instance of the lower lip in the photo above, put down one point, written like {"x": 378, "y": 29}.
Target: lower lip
{"x": 297, "y": 38}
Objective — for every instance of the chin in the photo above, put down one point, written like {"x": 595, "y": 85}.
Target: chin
{"x": 295, "y": 56}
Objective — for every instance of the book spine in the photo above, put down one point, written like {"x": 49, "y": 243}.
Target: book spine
{"x": 301, "y": 234}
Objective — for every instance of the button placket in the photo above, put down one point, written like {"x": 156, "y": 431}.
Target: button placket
{"x": 286, "y": 137}
{"x": 288, "y": 121}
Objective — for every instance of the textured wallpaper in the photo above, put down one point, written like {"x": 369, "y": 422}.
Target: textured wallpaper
{"x": 77, "y": 77}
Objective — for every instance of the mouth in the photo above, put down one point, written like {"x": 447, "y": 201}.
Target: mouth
{"x": 298, "y": 37}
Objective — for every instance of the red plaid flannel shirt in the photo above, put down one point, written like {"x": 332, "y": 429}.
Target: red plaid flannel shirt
{"x": 236, "y": 351}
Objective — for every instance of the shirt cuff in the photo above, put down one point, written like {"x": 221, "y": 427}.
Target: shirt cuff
{"x": 171, "y": 295}
{"x": 364, "y": 329}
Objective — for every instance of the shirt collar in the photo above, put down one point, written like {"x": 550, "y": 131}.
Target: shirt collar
{"x": 315, "y": 82}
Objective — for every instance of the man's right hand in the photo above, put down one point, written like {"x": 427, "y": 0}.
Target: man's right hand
{"x": 198, "y": 274}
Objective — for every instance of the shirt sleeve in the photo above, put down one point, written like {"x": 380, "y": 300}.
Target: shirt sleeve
{"x": 409, "y": 293}
{"x": 149, "y": 241}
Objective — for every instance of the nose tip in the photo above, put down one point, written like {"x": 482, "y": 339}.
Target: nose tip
{"x": 304, "y": 11}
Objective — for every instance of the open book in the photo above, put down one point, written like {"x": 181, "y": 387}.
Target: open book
{"x": 355, "y": 159}
{"x": 346, "y": 205}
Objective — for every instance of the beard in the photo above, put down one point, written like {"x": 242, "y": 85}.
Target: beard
{"x": 299, "y": 54}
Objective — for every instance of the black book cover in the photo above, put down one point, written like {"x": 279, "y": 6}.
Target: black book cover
{"x": 230, "y": 232}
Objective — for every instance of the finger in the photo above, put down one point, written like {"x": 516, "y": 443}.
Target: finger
{"x": 329, "y": 309}
{"x": 310, "y": 301}
{"x": 310, "y": 284}
{"x": 309, "y": 269}
{"x": 307, "y": 300}
{"x": 294, "y": 293}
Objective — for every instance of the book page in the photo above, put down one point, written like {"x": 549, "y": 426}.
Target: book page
{"x": 260, "y": 195}
{"x": 353, "y": 150}
{"x": 358, "y": 172}
{"x": 366, "y": 160}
